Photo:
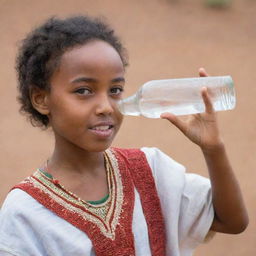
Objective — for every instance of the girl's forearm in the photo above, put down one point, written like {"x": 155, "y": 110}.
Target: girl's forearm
{"x": 230, "y": 212}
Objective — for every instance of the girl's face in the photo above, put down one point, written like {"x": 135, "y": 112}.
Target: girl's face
{"x": 84, "y": 91}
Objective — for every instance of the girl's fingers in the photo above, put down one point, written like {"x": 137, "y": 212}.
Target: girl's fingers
{"x": 175, "y": 121}
{"x": 207, "y": 101}
{"x": 205, "y": 94}
{"x": 202, "y": 72}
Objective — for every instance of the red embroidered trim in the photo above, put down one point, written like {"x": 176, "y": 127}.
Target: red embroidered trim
{"x": 64, "y": 199}
{"x": 144, "y": 182}
{"x": 134, "y": 170}
{"x": 123, "y": 244}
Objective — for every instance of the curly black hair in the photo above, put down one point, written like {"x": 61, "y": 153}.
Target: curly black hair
{"x": 40, "y": 53}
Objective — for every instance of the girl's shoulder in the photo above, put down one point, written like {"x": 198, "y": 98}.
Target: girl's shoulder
{"x": 16, "y": 202}
{"x": 156, "y": 158}
{"x": 14, "y": 215}
{"x": 162, "y": 166}
{"x": 151, "y": 154}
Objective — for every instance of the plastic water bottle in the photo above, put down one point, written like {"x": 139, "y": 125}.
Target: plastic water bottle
{"x": 179, "y": 96}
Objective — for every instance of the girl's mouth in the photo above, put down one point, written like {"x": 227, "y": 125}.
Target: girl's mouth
{"x": 102, "y": 128}
{"x": 103, "y": 131}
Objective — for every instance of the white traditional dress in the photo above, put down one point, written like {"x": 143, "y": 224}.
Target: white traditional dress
{"x": 154, "y": 208}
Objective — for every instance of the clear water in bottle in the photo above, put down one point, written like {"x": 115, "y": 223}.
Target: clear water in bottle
{"x": 179, "y": 96}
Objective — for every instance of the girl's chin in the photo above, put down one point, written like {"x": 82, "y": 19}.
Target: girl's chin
{"x": 99, "y": 147}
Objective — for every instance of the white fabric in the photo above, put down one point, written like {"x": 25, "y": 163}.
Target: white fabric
{"x": 186, "y": 201}
{"x": 29, "y": 229}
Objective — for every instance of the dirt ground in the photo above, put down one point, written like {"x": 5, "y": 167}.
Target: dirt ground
{"x": 165, "y": 39}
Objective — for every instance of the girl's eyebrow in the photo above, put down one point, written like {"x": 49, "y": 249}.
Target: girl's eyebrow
{"x": 84, "y": 79}
{"x": 93, "y": 80}
{"x": 118, "y": 79}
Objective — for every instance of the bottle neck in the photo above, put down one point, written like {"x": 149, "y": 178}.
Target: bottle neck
{"x": 129, "y": 106}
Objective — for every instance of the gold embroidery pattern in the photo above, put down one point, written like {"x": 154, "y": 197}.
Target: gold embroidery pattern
{"x": 106, "y": 215}
{"x": 119, "y": 197}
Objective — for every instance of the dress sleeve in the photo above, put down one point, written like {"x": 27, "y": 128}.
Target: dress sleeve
{"x": 13, "y": 234}
{"x": 196, "y": 209}
{"x": 29, "y": 228}
{"x": 186, "y": 200}
{"x": 6, "y": 253}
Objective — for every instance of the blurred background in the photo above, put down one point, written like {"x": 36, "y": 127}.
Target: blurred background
{"x": 165, "y": 39}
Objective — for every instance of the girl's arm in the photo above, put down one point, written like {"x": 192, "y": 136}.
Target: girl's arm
{"x": 230, "y": 212}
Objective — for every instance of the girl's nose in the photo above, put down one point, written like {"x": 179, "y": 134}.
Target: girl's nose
{"x": 105, "y": 105}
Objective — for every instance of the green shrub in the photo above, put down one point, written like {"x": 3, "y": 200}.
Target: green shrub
{"x": 218, "y": 3}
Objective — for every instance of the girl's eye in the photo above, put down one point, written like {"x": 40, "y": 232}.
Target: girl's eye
{"x": 116, "y": 90}
{"x": 83, "y": 91}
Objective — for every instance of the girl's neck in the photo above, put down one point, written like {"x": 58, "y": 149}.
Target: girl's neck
{"x": 75, "y": 160}
{"x": 80, "y": 171}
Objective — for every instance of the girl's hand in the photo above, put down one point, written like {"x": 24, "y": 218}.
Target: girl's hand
{"x": 202, "y": 128}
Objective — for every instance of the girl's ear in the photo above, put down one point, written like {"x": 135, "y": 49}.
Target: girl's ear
{"x": 39, "y": 100}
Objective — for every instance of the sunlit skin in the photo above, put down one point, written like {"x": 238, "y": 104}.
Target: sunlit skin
{"x": 83, "y": 115}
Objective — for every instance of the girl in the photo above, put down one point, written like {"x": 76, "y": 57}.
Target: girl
{"x": 89, "y": 198}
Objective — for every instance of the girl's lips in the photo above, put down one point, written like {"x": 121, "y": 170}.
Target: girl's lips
{"x": 103, "y": 131}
